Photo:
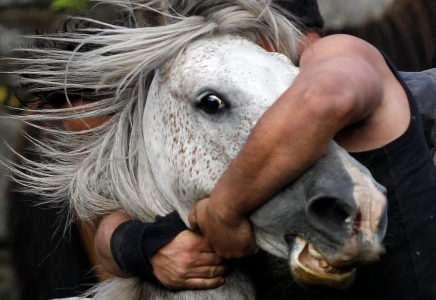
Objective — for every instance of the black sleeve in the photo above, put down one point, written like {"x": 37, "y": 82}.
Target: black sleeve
{"x": 134, "y": 242}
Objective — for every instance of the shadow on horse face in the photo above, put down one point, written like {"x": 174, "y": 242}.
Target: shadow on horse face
{"x": 327, "y": 222}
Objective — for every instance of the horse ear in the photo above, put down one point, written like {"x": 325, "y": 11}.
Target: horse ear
{"x": 150, "y": 13}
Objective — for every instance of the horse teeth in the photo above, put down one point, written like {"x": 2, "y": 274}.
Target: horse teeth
{"x": 323, "y": 264}
{"x": 314, "y": 252}
{"x": 330, "y": 269}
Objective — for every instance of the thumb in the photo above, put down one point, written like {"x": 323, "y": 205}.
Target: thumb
{"x": 192, "y": 218}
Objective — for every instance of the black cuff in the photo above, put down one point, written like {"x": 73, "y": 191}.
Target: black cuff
{"x": 134, "y": 242}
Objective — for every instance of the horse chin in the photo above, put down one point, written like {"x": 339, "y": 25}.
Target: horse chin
{"x": 310, "y": 268}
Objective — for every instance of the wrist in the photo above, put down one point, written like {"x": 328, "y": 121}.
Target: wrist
{"x": 133, "y": 243}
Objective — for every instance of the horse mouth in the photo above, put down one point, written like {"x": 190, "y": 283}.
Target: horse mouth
{"x": 309, "y": 267}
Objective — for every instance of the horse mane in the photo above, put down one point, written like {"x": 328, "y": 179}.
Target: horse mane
{"x": 405, "y": 32}
{"x": 94, "y": 172}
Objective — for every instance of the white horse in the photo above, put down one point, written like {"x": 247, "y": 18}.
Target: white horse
{"x": 182, "y": 99}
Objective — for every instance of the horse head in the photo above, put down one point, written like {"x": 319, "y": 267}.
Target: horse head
{"x": 197, "y": 117}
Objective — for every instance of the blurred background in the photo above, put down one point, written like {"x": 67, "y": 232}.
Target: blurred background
{"x": 36, "y": 261}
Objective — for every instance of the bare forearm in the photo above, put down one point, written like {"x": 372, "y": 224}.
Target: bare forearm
{"x": 102, "y": 242}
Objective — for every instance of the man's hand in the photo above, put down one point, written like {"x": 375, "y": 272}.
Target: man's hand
{"x": 230, "y": 235}
{"x": 189, "y": 262}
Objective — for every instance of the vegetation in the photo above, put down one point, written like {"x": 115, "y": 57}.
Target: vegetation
{"x": 71, "y": 5}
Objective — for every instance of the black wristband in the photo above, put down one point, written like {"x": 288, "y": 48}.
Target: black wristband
{"x": 134, "y": 242}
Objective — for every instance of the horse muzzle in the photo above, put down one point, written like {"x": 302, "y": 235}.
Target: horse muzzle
{"x": 356, "y": 228}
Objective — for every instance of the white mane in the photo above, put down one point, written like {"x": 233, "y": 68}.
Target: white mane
{"x": 95, "y": 171}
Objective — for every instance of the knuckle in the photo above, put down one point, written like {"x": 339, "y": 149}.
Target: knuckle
{"x": 186, "y": 260}
{"x": 217, "y": 260}
{"x": 181, "y": 273}
{"x": 212, "y": 271}
{"x": 194, "y": 244}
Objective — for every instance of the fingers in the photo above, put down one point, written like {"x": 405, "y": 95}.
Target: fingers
{"x": 202, "y": 284}
{"x": 202, "y": 245}
{"x": 208, "y": 277}
{"x": 208, "y": 272}
{"x": 192, "y": 242}
{"x": 206, "y": 259}
{"x": 240, "y": 243}
{"x": 192, "y": 217}
{"x": 188, "y": 262}
{"x": 230, "y": 235}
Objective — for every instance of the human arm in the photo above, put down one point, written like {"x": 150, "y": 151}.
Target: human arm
{"x": 106, "y": 228}
{"x": 178, "y": 258}
{"x": 342, "y": 82}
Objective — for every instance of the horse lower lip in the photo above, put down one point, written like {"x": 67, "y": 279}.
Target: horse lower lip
{"x": 311, "y": 270}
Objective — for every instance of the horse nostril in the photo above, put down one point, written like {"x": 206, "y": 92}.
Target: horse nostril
{"x": 329, "y": 210}
{"x": 330, "y": 215}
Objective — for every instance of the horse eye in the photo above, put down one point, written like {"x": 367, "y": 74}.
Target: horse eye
{"x": 211, "y": 104}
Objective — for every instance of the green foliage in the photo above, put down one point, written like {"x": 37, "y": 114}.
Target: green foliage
{"x": 72, "y": 5}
